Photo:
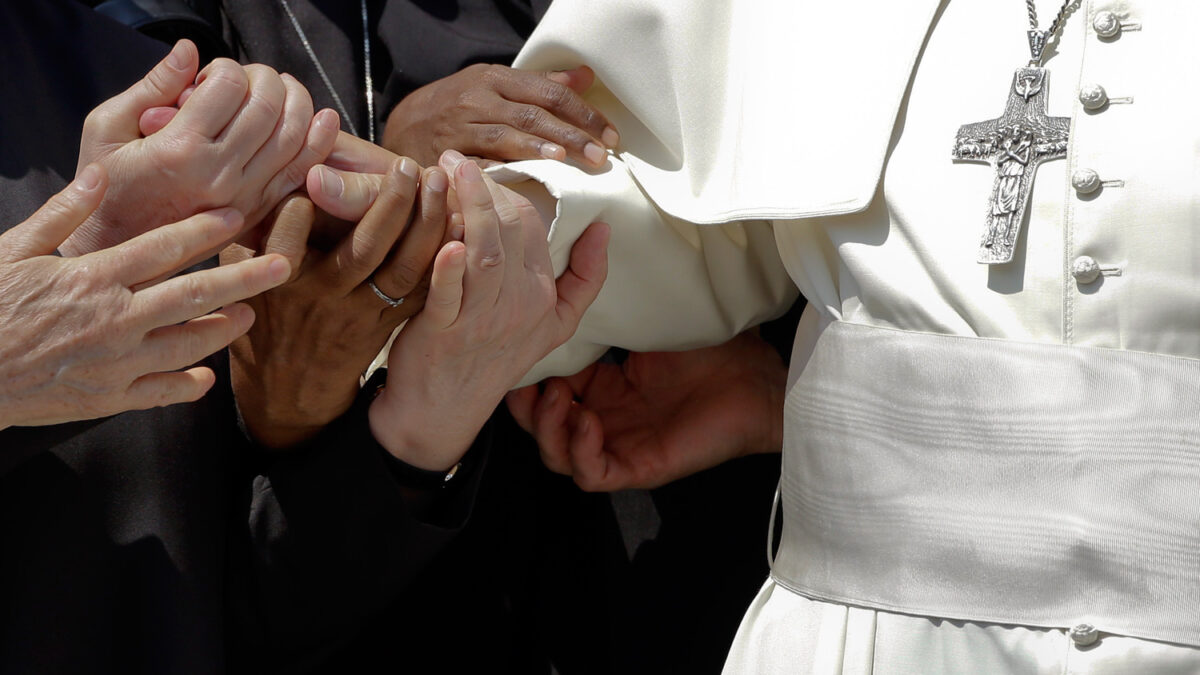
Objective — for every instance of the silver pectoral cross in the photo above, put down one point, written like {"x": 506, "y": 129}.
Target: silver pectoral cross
{"x": 1015, "y": 144}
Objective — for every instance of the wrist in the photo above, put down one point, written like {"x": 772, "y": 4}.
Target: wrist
{"x": 411, "y": 440}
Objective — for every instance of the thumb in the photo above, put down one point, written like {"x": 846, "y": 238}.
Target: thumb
{"x": 581, "y": 282}
{"x": 117, "y": 119}
{"x": 49, "y": 227}
{"x": 343, "y": 194}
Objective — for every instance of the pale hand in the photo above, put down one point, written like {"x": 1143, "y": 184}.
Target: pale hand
{"x": 244, "y": 138}
{"x": 493, "y": 310}
{"x": 94, "y": 336}
{"x": 658, "y": 416}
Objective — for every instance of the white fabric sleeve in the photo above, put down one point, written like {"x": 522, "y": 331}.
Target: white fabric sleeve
{"x": 672, "y": 285}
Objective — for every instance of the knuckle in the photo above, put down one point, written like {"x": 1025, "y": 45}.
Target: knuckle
{"x": 228, "y": 70}
{"x": 157, "y": 82}
{"x": 97, "y": 119}
{"x": 491, "y": 135}
{"x": 529, "y": 118}
{"x": 555, "y": 95}
{"x": 491, "y": 258}
{"x": 195, "y": 293}
{"x": 406, "y": 274}
{"x": 165, "y": 246}
{"x": 492, "y": 75}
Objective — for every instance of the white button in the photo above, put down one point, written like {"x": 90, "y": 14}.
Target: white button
{"x": 1085, "y": 269}
{"x": 1084, "y": 634}
{"x": 1085, "y": 181}
{"x": 1106, "y": 24}
{"x": 1093, "y": 96}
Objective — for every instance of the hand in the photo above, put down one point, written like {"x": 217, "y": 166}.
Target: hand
{"x": 498, "y": 113}
{"x": 298, "y": 368}
{"x": 86, "y": 337}
{"x": 243, "y": 138}
{"x": 493, "y": 310}
{"x": 658, "y": 416}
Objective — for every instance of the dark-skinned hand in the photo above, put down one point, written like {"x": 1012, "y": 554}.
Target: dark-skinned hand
{"x": 298, "y": 369}
{"x": 496, "y": 113}
{"x": 658, "y": 416}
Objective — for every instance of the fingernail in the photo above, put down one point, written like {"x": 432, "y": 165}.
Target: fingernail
{"x": 409, "y": 168}
{"x": 177, "y": 59}
{"x": 437, "y": 181}
{"x": 610, "y": 137}
{"x": 331, "y": 183}
{"x": 457, "y": 227}
{"x": 552, "y": 151}
{"x": 467, "y": 171}
{"x": 551, "y": 397}
{"x": 89, "y": 178}
{"x": 584, "y": 424}
{"x": 279, "y": 269}
{"x": 328, "y": 119}
{"x": 453, "y": 158}
{"x": 594, "y": 153}
{"x": 559, "y": 77}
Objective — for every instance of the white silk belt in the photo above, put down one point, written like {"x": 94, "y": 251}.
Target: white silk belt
{"x": 995, "y": 481}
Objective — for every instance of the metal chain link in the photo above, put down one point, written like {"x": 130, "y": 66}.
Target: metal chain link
{"x": 1068, "y": 8}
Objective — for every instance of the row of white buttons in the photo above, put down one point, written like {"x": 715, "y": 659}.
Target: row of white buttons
{"x": 1085, "y": 269}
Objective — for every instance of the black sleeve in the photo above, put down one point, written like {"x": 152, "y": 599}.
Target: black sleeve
{"x": 333, "y": 535}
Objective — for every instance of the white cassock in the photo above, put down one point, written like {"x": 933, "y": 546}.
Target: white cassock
{"x": 986, "y": 468}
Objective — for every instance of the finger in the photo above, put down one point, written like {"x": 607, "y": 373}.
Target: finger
{"x": 482, "y": 235}
{"x": 525, "y": 131}
{"x": 256, "y": 122}
{"x": 409, "y": 263}
{"x": 187, "y": 93}
{"x": 191, "y": 295}
{"x": 162, "y": 389}
{"x": 221, "y": 88}
{"x": 347, "y": 195}
{"x": 578, "y": 79}
{"x": 581, "y": 282}
{"x": 173, "y": 347}
{"x": 444, "y": 301}
{"x": 520, "y": 405}
{"x": 285, "y": 141}
{"x": 550, "y": 426}
{"x": 512, "y": 227}
{"x": 351, "y": 153}
{"x": 154, "y": 120}
{"x": 116, "y": 120}
{"x": 594, "y": 469}
{"x": 322, "y": 133}
{"x": 357, "y": 257}
{"x": 457, "y": 226}
{"x": 559, "y": 95}
{"x": 537, "y": 250}
{"x": 50, "y": 225}
{"x": 290, "y": 231}
{"x": 168, "y": 249}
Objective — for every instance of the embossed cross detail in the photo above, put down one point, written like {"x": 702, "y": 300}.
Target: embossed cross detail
{"x": 1015, "y": 144}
